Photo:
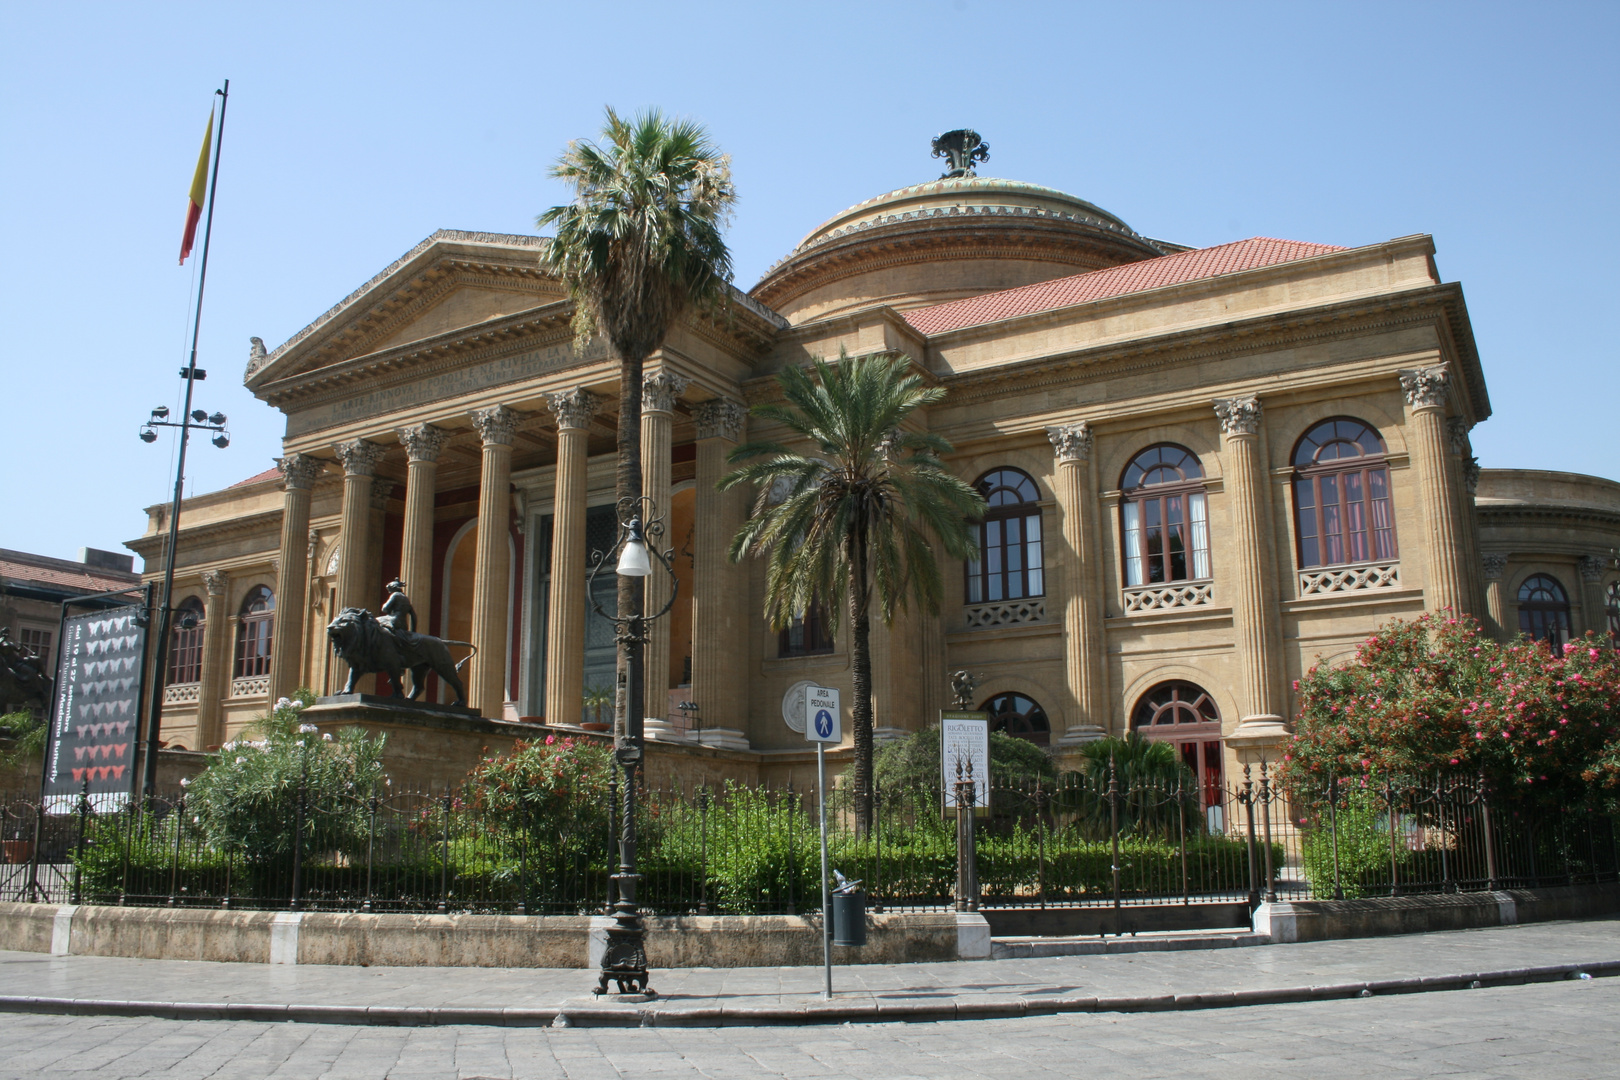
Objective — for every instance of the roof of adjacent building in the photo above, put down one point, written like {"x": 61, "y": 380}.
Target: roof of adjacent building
{"x": 65, "y": 575}
{"x": 268, "y": 474}
{"x": 1113, "y": 281}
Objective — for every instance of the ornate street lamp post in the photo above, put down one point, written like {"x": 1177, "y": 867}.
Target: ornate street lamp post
{"x": 625, "y": 960}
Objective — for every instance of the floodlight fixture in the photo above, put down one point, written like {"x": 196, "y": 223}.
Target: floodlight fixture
{"x": 222, "y": 440}
{"x": 218, "y": 419}
{"x": 160, "y": 413}
{"x": 199, "y": 415}
{"x": 148, "y": 435}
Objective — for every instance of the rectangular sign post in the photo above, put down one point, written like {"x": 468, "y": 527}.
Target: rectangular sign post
{"x": 965, "y": 741}
{"x": 823, "y": 724}
{"x": 95, "y": 717}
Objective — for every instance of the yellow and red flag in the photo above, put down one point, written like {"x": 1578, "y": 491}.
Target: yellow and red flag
{"x": 199, "y": 192}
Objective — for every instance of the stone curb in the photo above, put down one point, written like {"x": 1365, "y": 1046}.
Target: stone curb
{"x": 833, "y": 1012}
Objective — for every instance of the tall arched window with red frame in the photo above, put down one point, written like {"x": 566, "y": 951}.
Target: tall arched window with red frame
{"x": 185, "y": 648}
{"x": 1164, "y": 517}
{"x": 1011, "y": 565}
{"x": 1183, "y": 713}
{"x": 255, "y": 631}
{"x": 1342, "y": 509}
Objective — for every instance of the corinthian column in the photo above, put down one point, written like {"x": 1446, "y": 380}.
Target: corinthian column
{"x": 214, "y": 681}
{"x": 298, "y": 472}
{"x": 659, "y": 393}
{"x": 720, "y": 604}
{"x": 492, "y": 570}
{"x": 1495, "y": 603}
{"x": 1082, "y": 593}
{"x": 359, "y": 460}
{"x": 1255, "y": 614}
{"x": 565, "y": 633}
{"x": 422, "y": 444}
{"x": 1594, "y": 605}
{"x": 1427, "y": 390}
{"x": 1464, "y": 477}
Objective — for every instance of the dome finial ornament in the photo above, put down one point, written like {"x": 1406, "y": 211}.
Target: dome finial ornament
{"x": 962, "y": 147}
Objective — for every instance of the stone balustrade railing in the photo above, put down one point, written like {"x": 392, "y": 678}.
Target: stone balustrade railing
{"x": 1143, "y": 599}
{"x": 1011, "y": 613}
{"x": 1346, "y": 579}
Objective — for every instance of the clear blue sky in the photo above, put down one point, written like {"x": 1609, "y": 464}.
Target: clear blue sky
{"x": 355, "y": 130}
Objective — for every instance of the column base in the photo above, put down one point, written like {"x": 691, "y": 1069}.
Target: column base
{"x": 660, "y": 730}
{"x": 1259, "y": 736}
{"x": 881, "y": 735}
{"x": 1079, "y": 735}
{"x": 723, "y": 738}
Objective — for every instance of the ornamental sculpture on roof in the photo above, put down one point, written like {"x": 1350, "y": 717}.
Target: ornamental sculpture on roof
{"x": 962, "y": 147}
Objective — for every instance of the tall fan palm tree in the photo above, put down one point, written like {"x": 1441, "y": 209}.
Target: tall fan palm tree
{"x": 639, "y": 244}
{"x": 853, "y": 520}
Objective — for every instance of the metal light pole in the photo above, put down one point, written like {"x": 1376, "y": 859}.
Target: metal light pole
{"x": 625, "y": 960}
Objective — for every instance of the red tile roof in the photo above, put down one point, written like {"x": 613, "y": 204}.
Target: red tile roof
{"x": 1114, "y": 281}
{"x": 85, "y": 580}
{"x": 268, "y": 474}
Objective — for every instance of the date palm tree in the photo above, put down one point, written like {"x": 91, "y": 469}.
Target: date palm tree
{"x": 639, "y": 244}
{"x": 854, "y": 519}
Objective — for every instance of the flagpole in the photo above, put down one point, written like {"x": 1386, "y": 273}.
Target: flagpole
{"x": 191, "y": 375}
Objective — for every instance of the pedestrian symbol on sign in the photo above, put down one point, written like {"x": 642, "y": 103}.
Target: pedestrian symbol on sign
{"x": 821, "y": 715}
{"x": 824, "y": 723}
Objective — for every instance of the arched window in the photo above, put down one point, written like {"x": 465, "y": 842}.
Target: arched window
{"x": 1009, "y": 566}
{"x": 1164, "y": 517}
{"x": 1183, "y": 713}
{"x": 1544, "y": 609}
{"x": 1018, "y": 715}
{"x": 1614, "y": 610}
{"x": 1342, "y": 510}
{"x": 254, "y": 631}
{"x": 185, "y": 649}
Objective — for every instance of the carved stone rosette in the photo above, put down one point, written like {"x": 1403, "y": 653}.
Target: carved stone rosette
{"x": 1493, "y": 565}
{"x": 1592, "y": 567}
{"x": 422, "y": 442}
{"x": 496, "y": 425}
{"x": 720, "y": 419}
{"x": 1427, "y": 387}
{"x": 299, "y": 471}
{"x": 359, "y": 457}
{"x": 1238, "y": 415}
{"x": 215, "y": 581}
{"x": 573, "y": 408}
{"x": 660, "y": 391}
{"x": 1071, "y": 442}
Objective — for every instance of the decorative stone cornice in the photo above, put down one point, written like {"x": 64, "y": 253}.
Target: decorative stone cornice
{"x": 380, "y": 492}
{"x": 1427, "y": 387}
{"x": 359, "y": 457}
{"x": 1457, "y": 431}
{"x": 1494, "y": 566}
{"x": 215, "y": 581}
{"x": 496, "y": 425}
{"x": 1071, "y": 442}
{"x": 299, "y": 470}
{"x": 720, "y": 418}
{"x": 1238, "y": 415}
{"x": 422, "y": 442}
{"x": 660, "y": 391}
{"x": 1471, "y": 471}
{"x": 574, "y": 408}
{"x": 1592, "y": 567}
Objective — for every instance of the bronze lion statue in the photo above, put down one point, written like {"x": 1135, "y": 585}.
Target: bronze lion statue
{"x": 366, "y": 645}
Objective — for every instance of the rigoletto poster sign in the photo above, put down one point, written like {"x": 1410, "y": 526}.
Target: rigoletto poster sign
{"x": 96, "y": 721}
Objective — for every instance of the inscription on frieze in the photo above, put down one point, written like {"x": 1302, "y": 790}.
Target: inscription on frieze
{"x": 443, "y": 386}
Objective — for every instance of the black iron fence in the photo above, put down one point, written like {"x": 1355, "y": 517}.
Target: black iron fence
{"x": 1078, "y": 840}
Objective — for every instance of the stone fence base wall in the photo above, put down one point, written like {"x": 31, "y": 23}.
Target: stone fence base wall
{"x": 1321, "y": 920}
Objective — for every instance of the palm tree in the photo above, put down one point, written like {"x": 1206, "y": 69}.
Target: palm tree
{"x": 860, "y": 523}
{"x": 639, "y": 244}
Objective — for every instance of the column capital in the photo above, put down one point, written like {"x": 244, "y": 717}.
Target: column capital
{"x": 422, "y": 442}
{"x": 359, "y": 457}
{"x": 573, "y": 408}
{"x": 1471, "y": 471}
{"x": 299, "y": 471}
{"x": 1071, "y": 442}
{"x": 1494, "y": 565}
{"x": 215, "y": 581}
{"x": 1426, "y": 387}
{"x": 1592, "y": 567}
{"x": 660, "y": 390}
{"x": 1238, "y": 415}
{"x": 1457, "y": 431}
{"x": 314, "y": 542}
{"x": 380, "y": 491}
{"x": 496, "y": 425}
{"x": 720, "y": 418}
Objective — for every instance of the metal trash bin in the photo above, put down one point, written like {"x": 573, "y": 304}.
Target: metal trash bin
{"x": 849, "y": 918}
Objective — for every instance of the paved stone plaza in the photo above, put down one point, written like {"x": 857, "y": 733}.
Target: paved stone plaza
{"x": 1562, "y": 1029}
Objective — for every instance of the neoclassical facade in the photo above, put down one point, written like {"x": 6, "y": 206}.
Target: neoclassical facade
{"x": 1207, "y": 470}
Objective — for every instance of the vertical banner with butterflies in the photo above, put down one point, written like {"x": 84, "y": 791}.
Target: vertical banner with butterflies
{"x": 96, "y": 719}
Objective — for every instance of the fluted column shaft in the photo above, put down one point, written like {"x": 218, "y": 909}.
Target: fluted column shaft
{"x": 1463, "y": 476}
{"x": 1255, "y": 613}
{"x": 359, "y": 459}
{"x": 292, "y": 579}
{"x": 1426, "y": 394}
{"x": 658, "y": 396}
{"x": 565, "y": 633}
{"x": 1495, "y": 601}
{"x": 492, "y": 567}
{"x": 422, "y": 445}
{"x": 1082, "y": 596}
{"x": 720, "y": 606}
{"x": 215, "y": 677}
{"x": 1594, "y": 604}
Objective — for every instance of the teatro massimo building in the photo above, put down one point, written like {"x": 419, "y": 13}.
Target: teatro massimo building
{"x": 1208, "y": 470}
